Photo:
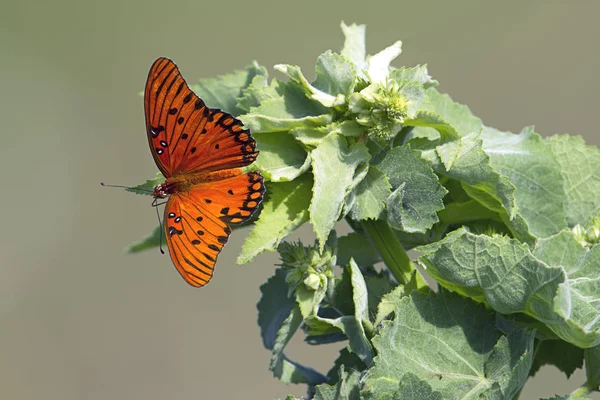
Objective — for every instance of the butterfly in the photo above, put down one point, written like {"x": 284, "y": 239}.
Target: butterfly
{"x": 199, "y": 150}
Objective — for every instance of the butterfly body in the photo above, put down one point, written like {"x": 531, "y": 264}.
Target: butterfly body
{"x": 184, "y": 183}
{"x": 199, "y": 150}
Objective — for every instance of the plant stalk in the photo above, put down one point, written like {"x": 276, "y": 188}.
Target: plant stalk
{"x": 584, "y": 391}
{"x": 391, "y": 251}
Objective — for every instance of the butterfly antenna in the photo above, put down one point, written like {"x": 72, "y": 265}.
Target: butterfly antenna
{"x": 155, "y": 205}
{"x": 126, "y": 187}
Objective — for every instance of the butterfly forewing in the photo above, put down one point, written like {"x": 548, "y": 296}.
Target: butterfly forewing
{"x": 185, "y": 136}
{"x": 196, "y": 222}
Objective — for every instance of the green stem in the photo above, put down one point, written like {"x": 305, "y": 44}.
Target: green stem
{"x": 393, "y": 254}
{"x": 459, "y": 213}
{"x": 584, "y": 391}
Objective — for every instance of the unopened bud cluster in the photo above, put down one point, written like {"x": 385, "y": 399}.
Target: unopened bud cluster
{"x": 588, "y": 235}
{"x": 307, "y": 265}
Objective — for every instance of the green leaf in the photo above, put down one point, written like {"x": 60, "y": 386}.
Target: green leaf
{"x": 292, "y": 109}
{"x": 258, "y": 91}
{"x": 312, "y": 137}
{"x": 369, "y": 197}
{"x": 295, "y": 74}
{"x": 357, "y": 247}
{"x": 354, "y": 44}
{"x": 472, "y": 168}
{"x": 433, "y": 120}
{"x": 335, "y": 75}
{"x": 378, "y": 65}
{"x": 147, "y": 188}
{"x": 477, "y": 361}
{"x": 346, "y": 388}
{"x": 559, "y": 353}
{"x": 378, "y": 285}
{"x": 279, "y": 318}
{"x": 552, "y": 285}
{"x": 417, "y": 74}
{"x": 577, "y": 301}
{"x": 281, "y": 157}
{"x": 529, "y": 164}
{"x": 274, "y": 307}
{"x": 456, "y": 114}
{"x": 284, "y": 211}
{"x": 580, "y": 167}
{"x": 351, "y": 325}
{"x": 149, "y": 242}
{"x": 334, "y": 163}
{"x": 222, "y": 92}
{"x": 417, "y": 194}
{"x": 351, "y": 363}
{"x": 411, "y": 387}
{"x": 510, "y": 362}
{"x": 390, "y": 300}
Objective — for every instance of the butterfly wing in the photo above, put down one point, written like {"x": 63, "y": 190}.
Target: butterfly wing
{"x": 184, "y": 134}
{"x": 196, "y": 222}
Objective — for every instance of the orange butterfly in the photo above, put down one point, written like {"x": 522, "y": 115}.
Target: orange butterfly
{"x": 199, "y": 151}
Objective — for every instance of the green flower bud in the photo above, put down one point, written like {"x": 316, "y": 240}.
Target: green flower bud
{"x": 305, "y": 264}
{"x": 382, "y": 107}
{"x": 312, "y": 281}
{"x": 588, "y": 235}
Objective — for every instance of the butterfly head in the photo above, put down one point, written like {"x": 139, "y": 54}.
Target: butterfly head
{"x": 160, "y": 191}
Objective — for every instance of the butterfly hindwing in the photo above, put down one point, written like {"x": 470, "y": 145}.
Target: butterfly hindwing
{"x": 185, "y": 135}
{"x": 196, "y": 222}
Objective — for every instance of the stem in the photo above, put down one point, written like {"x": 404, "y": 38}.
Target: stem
{"x": 391, "y": 251}
{"x": 472, "y": 210}
{"x": 584, "y": 390}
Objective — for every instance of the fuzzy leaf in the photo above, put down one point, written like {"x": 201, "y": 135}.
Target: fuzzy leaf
{"x": 279, "y": 319}
{"x": 580, "y": 167}
{"x": 292, "y": 109}
{"x": 529, "y": 164}
{"x": 378, "y": 65}
{"x": 325, "y": 98}
{"x": 417, "y": 74}
{"x": 370, "y": 195}
{"x": 258, "y": 91}
{"x": 472, "y": 168}
{"x": 222, "y": 92}
{"x": 281, "y": 157}
{"x": 354, "y": 45}
{"x": 558, "y": 353}
{"x": 351, "y": 363}
{"x": 351, "y": 325}
{"x": 417, "y": 194}
{"x": 335, "y": 75}
{"x": 389, "y": 301}
{"x": 411, "y": 387}
{"x": 477, "y": 361}
{"x": 552, "y": 285}
{"x": 433, "y": 120}
{"x": 284, "y": 211}
{"x": 457, "y": 115}
{"x": 346, "y": 388}
{"x": 334, "y": 165}
{"x": 312, "y": 137}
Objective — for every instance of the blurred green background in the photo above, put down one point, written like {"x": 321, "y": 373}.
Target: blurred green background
{"x": 81, "y": 320}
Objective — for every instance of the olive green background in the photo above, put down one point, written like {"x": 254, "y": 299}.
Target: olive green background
{"x": 81, "y": 320}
